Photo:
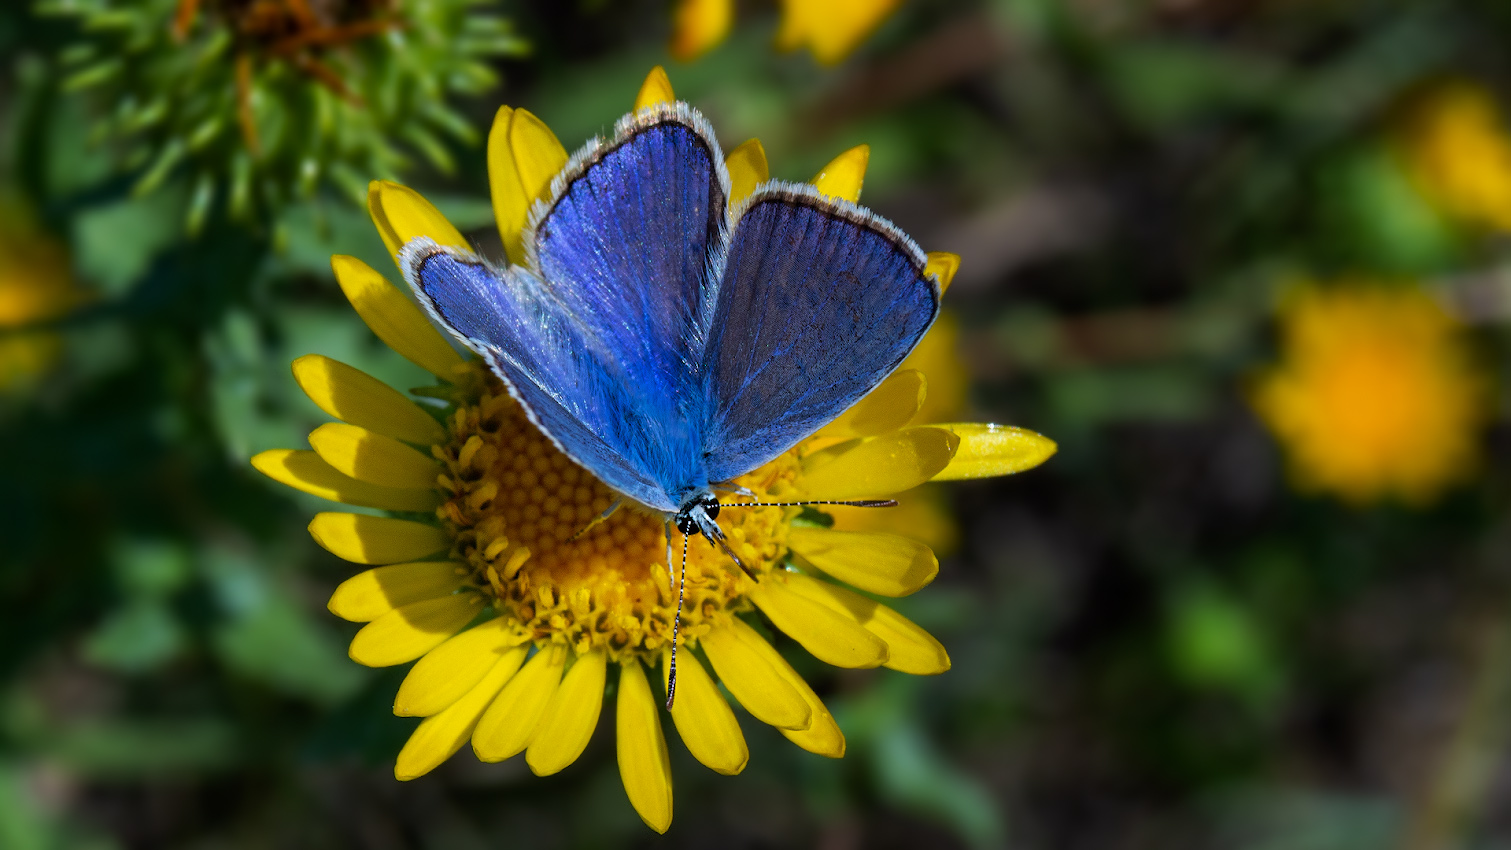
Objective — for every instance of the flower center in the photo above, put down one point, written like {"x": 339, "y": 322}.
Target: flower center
{"x": 518, "y": 507}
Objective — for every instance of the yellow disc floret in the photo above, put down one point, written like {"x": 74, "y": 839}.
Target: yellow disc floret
{"x": 518, "y": 508}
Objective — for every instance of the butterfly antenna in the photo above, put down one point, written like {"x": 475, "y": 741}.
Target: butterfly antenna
{"x": 671, "y": 676}
{"x": 854, "y": 503}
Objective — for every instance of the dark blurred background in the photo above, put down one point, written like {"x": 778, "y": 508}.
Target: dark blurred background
{"x": 1175, "y": 634}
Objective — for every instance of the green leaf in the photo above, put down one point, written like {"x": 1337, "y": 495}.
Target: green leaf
{"x": 280, "y": 646}
{"x": 140, "y": 637}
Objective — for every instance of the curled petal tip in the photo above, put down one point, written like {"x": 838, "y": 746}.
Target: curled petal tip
{"x": 657, "y": 88}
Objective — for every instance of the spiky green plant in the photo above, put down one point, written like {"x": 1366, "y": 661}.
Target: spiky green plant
{"x": 259, "y": 102}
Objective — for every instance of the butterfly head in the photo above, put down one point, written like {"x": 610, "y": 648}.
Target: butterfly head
{"x": 697, "y": 511}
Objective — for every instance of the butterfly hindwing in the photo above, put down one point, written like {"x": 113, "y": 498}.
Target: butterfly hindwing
{"x": 567, "y": 383}
{"x": 820, "y": 300}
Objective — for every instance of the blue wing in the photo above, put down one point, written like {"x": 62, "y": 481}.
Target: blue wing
{"x": 628, "y": 242}
{"x": 602, "y": 338}
{"x": 819, "y": 301}
{"x": 568, "y": 384}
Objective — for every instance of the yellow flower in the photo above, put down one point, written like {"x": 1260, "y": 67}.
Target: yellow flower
{"x": 1457, "y": 153}
{"x": 1375, "y": 394}
{"x": 36, "y": 285}
{"x": 516, "y": 621}
{"x": 830, "y": 29}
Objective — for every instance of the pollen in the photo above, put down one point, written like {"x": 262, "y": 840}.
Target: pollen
{"x": 523, "y": 518}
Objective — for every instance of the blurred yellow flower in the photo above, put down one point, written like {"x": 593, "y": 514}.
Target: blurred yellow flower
{"x": 36, "y": 284}
{"x": 699, "y": 26}
{"x": 1457, "y": 153}
{"x": 830, "y": 29}
{"x": 1376, "y": 394}
{"x": 517, "y": 620}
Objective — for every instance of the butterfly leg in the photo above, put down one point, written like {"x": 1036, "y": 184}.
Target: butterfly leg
{"x": 736, "y": 489}
{"x": 667, "y": 527}
{"x": 603, "y": 516}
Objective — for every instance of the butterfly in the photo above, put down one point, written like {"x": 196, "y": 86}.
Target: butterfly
{"x": 670, "y": 342}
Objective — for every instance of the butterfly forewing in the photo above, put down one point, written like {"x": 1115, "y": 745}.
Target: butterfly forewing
{"x": 627, "y": 244}
{"x": 603, "y": 337}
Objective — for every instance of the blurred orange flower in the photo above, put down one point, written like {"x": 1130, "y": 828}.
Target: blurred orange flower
{"x": 1376, "y": 394}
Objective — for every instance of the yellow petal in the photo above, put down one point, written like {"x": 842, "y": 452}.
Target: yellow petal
{"x": 845, "y": 174}
{"x": 373, "y": 458}
{"x": 402, "y": 214}
{"x": 657, "y": 88}
{"x": 923, "y": 514}
{"x": 989, "y": 450}
{"x": 697, "y": 27}
{"x": 538, "y": 155}
{"x": 409, "y": 631}
{"x": 511, "y": 206}
{"x": 943, "y": 266}
{"x": 443, "y": 734}
{"x": 747, "y": 170}
{"x": 509, "y": 723}
{"x": 569, "y": 721}
{"x": 888, "y": 564}
{"x": 366, "y": 539}
{"x": 829, "y": 635}
{"x": 703, "y": 717}
{"x": 369, "y": 595}
{"x": 644, "y": 766}
{"x": 822, "y": 736}
{"x": 449, "y": 671}
{"x": 911, "y": 649}
{"x": 357, "y": 398}
{"x": 396, "y": 321}
{"x": 752, "y": 680}
{"x": 877, "y": 467}
{"x": 306, "y": 471}
{"x": 890, "y": 406}
{"x": 938, "y": 356}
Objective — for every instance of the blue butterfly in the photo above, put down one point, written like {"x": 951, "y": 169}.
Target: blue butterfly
{"x": 669, "y": 343}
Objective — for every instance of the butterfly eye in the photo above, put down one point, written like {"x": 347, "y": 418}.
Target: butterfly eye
{"x": 686, "y": 519}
